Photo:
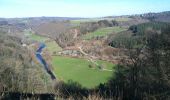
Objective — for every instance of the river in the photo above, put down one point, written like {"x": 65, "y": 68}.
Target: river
{"x": 42, "y": 60}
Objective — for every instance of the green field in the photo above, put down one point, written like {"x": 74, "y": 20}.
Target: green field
{"x": 77, "y": 70}
{"x": 38, "y": 38}
{"x": 35, "y": 37}
{"x": 52, "y": 46}
{"x": 84, "y": 20}
{"x": 77, "y": 22}
{"x": 103, "y": 32}
{"x": 122, "y": 19}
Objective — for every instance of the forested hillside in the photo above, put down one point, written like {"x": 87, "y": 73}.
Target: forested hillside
{"x": 17, "y": 71}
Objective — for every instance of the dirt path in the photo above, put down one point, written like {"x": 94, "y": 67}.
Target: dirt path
{"x": 90, "y": 58}
{"x": 76, "y": 33}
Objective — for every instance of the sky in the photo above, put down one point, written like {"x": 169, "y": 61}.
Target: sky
{"x": 79, "y": 8}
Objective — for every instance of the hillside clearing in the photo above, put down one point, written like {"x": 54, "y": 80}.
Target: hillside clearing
{"x": 103, "y": 32}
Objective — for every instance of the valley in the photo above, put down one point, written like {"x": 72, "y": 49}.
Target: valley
{"x": 102, "y": 58}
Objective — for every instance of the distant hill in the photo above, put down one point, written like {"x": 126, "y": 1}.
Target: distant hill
{"x": 161, "y": 17}
{"x": 20, "y": 24}
{"x": 53, "y": 25}
{"x": 51, "y": 28}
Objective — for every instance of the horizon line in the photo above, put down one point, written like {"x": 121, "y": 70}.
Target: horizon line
{"x": 84, "y": 17}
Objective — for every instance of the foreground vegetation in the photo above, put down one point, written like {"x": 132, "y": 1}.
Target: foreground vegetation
{"x": 18, "y": 72}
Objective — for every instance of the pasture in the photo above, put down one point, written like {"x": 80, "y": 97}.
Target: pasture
{"x": 103, "y": 32}
{"x": 78, "y": 70}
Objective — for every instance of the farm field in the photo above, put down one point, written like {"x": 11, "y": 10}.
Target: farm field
{"x": 38, "y": 38}
{"x": 77, "y": 22}
{"x": 35, "y": 37}
{"x": 52, "y": 46}
{"x": 103, "y": 32}
{"x": 78, "y": 70}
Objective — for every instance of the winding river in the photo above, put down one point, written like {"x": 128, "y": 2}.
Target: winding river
{"x": 42, "y": 60}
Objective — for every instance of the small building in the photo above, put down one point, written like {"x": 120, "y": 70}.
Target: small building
{"x": 71, "y": 51}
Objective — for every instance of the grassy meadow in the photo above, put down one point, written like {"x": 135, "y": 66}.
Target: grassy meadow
{"x": 103, "y": 32}
{"x": 119, "y": 19}
{"x": 78, "y": 70}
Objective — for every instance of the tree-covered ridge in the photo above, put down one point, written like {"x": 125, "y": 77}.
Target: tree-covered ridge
{"x": 141, "y": 29}
{"x": 137, "y": 35}
{"x": 17, "y": 72}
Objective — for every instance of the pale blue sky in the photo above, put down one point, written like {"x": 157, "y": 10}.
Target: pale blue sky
{"x": 79, "y": 8}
